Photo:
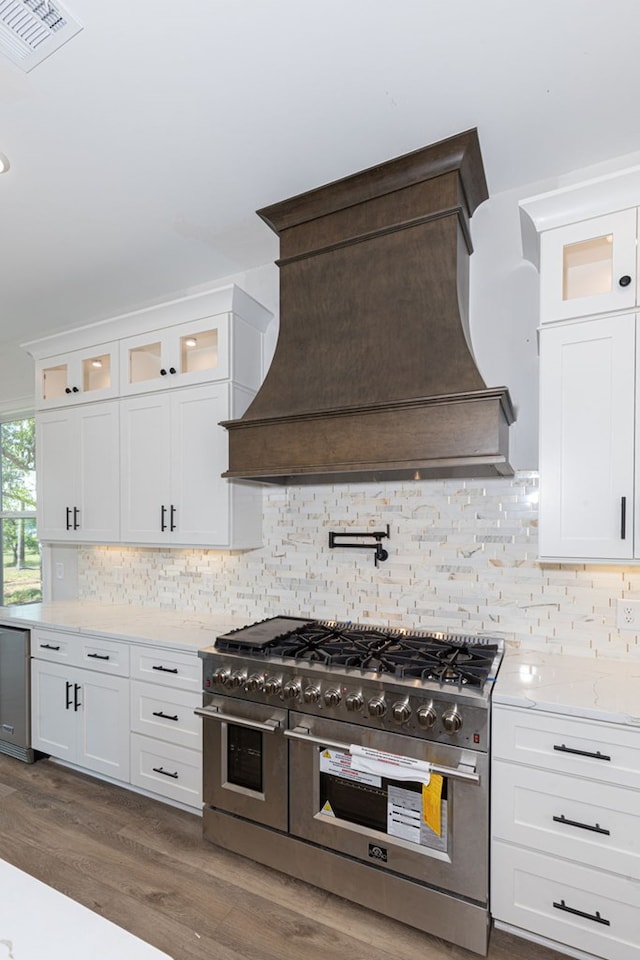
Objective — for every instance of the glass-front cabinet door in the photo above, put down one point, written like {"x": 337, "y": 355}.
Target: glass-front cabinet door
{"x": 589, "y": 267}
{"x": 176, "y": 356}
{"x": 78, "y": 377}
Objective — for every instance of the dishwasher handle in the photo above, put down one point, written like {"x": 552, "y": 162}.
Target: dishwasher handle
{"x": 451, "y": 773}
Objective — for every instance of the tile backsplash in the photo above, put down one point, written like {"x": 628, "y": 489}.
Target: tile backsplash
{"x": 462, "y": 558}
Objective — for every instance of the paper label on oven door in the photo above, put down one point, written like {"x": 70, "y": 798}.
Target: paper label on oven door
{"x": 338, "y": 764}
{"x": 405, "y": 819}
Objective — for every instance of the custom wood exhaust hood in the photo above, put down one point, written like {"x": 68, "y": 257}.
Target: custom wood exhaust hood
{"x": 373, "y": 375}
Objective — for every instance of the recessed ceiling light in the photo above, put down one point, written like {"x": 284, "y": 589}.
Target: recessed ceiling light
{"x": 4, "y": 163}
{"x": 31, "y": 30}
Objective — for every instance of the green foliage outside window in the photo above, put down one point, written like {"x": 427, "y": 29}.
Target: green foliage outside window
{"x": 20, "y": 573}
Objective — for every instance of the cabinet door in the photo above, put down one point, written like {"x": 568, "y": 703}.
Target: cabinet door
{"x": 58, "y": 459}
{"x": 587, "y": 382}
{"x": 79, "y": 473}
{"x": 53, "y": 717}
{"x": 98, "y": 518}
{"x": 146, "y": 460}
{"x": 589, "y": 267}
{"x": 78, "y": 377}
{"x": 103, "y": 724}
{"x": 180, "y": 355}
{"x": 199, "y": 456}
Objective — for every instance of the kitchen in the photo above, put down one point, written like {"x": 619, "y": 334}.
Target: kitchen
{"x": 465, "y": 559}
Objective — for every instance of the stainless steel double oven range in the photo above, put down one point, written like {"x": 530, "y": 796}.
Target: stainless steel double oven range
{"x": 356, "y": 758}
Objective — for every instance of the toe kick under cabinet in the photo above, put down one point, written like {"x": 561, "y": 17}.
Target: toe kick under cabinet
{"x": 566, "y": 832}
{"x": 120, "y": 710}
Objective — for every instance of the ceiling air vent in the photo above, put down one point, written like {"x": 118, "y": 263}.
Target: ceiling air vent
{"x": 31, "y": 30}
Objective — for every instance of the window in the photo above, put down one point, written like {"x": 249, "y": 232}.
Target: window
{"x": 20, "y": 571}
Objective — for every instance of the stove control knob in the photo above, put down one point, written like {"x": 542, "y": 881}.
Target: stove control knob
{"x": 311, "y": 694}
{"x": 254, "y": 682}
{"x": 377, "y": 707}
{"x": 237, "y": 678}
{"x": 291, "y": 690}
{"x": 400, "y": 711}
{"x": 426, "y": 717}
{"x": 354, "y": 701}
{"x": 220, "y": 676}
{"x": 332, "y": 697}
{"x": 451, "y": 720}
{"x": 271, "y": 686}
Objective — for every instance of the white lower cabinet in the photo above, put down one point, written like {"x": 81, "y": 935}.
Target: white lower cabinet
{"x": 125, "y": 711}
{"x": 565, "y": 860}
{"x": 81, "y": 716}
{"x": 166, "y": 737}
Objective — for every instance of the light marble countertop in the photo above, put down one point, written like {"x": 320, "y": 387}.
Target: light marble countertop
{"x": 590, "y": 687}
{"x": 179, "y": 630}
{"x": 37, "y": 922}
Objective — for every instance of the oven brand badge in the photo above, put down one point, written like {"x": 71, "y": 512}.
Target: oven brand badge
{"x": 377, "y": 852}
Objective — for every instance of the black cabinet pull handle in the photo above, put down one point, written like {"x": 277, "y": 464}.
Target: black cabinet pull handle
{"x": 67, "y": 692}
{"x": 68, "y": 518}
{"x": 166, "y": 669}
{"x": 580, "y": 913}
{"x": 99, "y": 656}
{"x": 581, "y": 753}
{"x": 76, "y": 702}
{"x": 625, "y": 280}
{"x": 623, "y": 518}
{"x": 165, "y": 773}
{"x": 76, "y": 513}
{"x": 172, "y": 518}
{"x": 48, "y": 646}
{"x": 163, "y": 372}
{"x": 165, "y": 716}
{"x": 583, "y": 826}
{"x": 163, "y": 522}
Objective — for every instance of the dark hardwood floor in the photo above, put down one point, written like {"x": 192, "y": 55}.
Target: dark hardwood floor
{"x": 143, "y": 865}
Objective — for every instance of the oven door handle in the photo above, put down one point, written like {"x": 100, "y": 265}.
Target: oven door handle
{"x": 212, "y": 713}
{"x": 461, "y": 772}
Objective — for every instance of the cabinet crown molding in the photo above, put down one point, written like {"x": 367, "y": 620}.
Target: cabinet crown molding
{"x": 575, "y": 202}
{"x": 225, "y": 299}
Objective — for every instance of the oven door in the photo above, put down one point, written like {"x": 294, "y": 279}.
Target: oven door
{"x": 244, "y": 755}
{"x": 436, "y": 834}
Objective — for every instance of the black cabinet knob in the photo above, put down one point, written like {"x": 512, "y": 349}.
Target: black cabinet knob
{"x": 75, "y": 390}
{"x": 67, "y": 389}
{"x": 163, "y": 373}
{"x": 625, "y": 281}
{"x": 172, "y": 370}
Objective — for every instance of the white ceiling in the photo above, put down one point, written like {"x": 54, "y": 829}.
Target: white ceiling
{"x": 141, "y": 150}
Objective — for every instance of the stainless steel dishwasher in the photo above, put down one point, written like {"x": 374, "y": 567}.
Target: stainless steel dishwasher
{"x": 15, "y": 699}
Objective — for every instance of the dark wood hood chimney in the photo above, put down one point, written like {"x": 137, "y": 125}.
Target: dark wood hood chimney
{"x": 373, "y": 375}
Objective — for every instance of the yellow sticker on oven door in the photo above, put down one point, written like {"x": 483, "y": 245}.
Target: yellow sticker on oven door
{"x": 432, "y": 803}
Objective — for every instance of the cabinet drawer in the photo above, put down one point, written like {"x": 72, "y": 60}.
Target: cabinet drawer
{"x": 54, "y": 646}
{"x": 595, "y": 912}
{"x": 584, "y": 748}
{"x": 104, "y": 656}
{"x": 166, "y": 769}
{"x": 594, "y": 823}
{"x": 155, "y": 665}
{"x": 166, "y": 714}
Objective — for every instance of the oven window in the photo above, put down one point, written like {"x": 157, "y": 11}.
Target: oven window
{"x": 388, "y": 806}
{"x": 244, "y": 757}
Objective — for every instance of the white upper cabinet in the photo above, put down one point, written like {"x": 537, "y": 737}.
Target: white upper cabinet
{"x": 589, "y": 267}
{"x": 152, "y": 458}
{"x": 587, "y": 378}
{"x": 182, "y": 355}
{"x": 78, "y": 376}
